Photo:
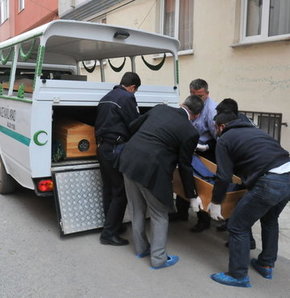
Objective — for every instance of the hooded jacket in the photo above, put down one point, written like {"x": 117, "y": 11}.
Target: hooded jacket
{"x": 247, "y": 151}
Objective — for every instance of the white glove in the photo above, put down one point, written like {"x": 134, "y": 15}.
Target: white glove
{"x": 201, "y": 147}
{"x": 196, "y": 204}
{"x": 215, "y": 211}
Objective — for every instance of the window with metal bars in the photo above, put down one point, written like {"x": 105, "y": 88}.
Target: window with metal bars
{"x": 269, "y": 122}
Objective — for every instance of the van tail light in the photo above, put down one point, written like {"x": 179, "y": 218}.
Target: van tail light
{"x": 45, "y": 185}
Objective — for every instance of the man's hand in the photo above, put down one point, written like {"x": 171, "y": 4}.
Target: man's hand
{"x": 201, "y": 147}
{"x": 215, "y": 211}
{"x": 196, "y": 204}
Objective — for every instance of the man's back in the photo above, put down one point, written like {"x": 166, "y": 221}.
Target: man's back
{"x": 165, "y": 127}
{"x": 164, "y": 139}
{"x": 115, "y": 112}
{"x": 251, "y": 150}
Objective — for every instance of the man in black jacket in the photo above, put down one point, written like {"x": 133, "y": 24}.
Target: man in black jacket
{"x": 115, "y": 111}
{"x": 230, "y": 105}
{"x": 164, "y": 137}
{"x": 264, "y": 168}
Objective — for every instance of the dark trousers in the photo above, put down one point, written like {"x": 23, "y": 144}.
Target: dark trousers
{"x": 203, "y": 218}
{"x": 114, "y": 195}
{"x": 182, "y": 207}
{"x": 265, "y": 201}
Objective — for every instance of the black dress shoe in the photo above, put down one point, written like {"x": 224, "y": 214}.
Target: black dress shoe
{"x": 199, "y": 227}
{"x": 114, "y": 240}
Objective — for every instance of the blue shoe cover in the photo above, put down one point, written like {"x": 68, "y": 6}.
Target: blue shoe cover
{"x": 171, "y": 260}
{"x": 228, "y": 280}
{"x": 265, "y": 272}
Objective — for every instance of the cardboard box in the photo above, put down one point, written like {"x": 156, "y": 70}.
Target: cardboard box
{"x": 204, "y": 189}
{"x": 77, "y": 138}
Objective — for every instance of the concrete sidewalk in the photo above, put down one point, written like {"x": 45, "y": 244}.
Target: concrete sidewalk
{"x": 36, "y": 262}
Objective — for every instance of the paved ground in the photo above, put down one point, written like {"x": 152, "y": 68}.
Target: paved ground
{"x": 36, "y": 262}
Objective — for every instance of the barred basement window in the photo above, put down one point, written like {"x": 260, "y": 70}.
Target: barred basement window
{"x": 269, "y": 122}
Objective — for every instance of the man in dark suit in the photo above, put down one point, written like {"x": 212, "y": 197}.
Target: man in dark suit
{"x": 163, "y": 138}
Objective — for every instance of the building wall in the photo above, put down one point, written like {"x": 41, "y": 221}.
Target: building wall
{"x": 34, "y": 14}
{"x": 257, "y": 75}
{"x": 67, "y": 5}
{"x": 7, "y": 29}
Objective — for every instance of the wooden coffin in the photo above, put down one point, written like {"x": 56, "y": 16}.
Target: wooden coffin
{"x": 77, "y": 138}
{"x": 28, "y": 85}
{"x": 204, "y": 189}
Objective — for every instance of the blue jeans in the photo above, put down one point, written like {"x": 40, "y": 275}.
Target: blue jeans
{"x": 265, "y": 201}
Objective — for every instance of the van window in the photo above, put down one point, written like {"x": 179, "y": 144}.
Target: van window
{"x": 6, "y": 56}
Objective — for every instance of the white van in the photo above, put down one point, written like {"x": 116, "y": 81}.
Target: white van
{"x": 46, "y": 79}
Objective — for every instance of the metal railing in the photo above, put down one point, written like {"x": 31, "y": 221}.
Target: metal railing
{"x": 269, "y": 122}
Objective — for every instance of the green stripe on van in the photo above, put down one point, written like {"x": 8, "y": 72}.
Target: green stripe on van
{"x": 18, "y": 137}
